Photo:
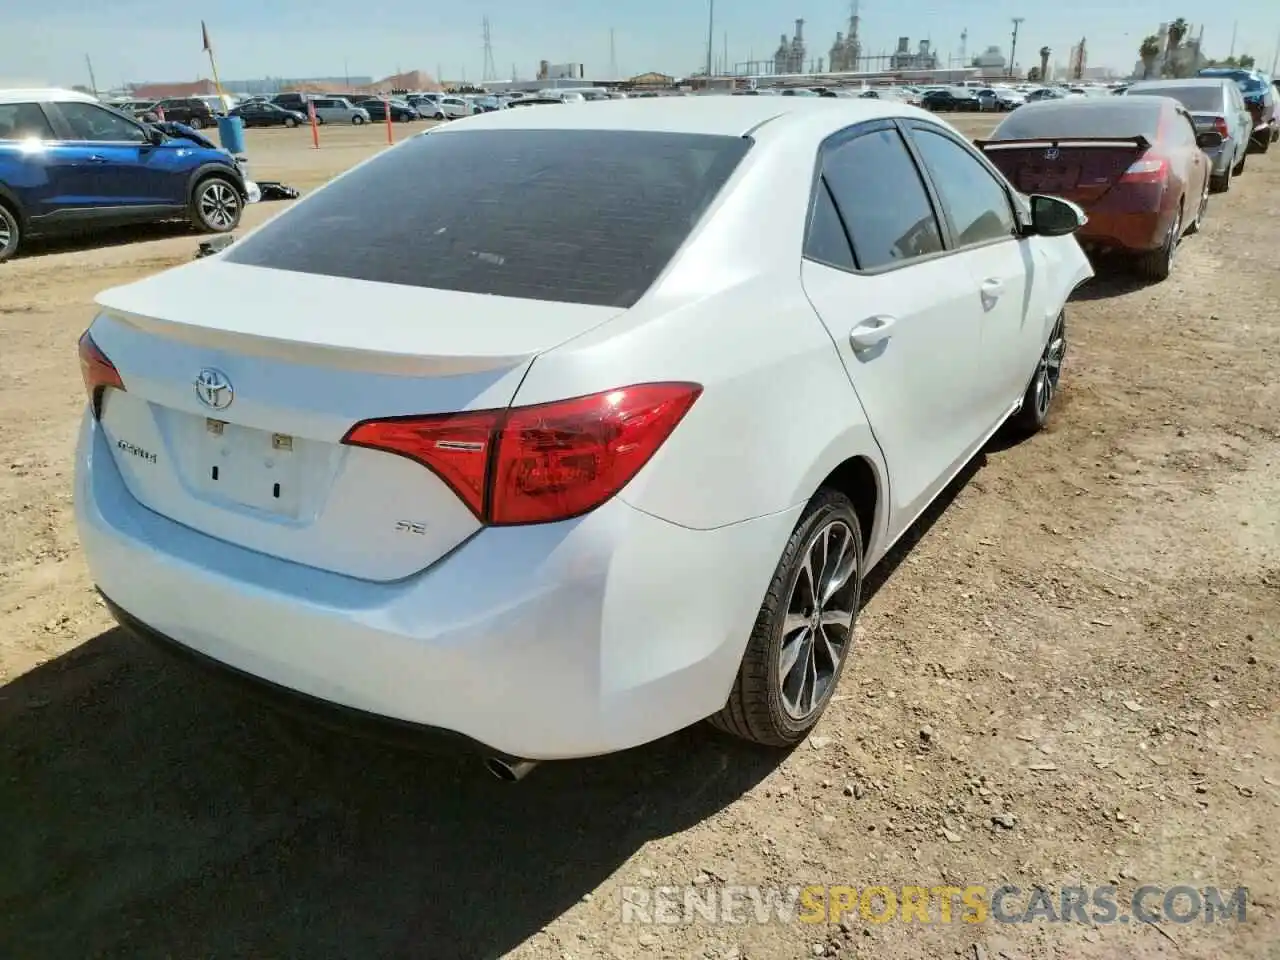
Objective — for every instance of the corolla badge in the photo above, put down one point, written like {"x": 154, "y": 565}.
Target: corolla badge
{"x": 1052, "y": 153}
{"x": 214, "y": 389}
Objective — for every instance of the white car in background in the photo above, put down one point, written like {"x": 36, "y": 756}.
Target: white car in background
{"x": 590, "y": 428}
{"x": 455, "y": 108}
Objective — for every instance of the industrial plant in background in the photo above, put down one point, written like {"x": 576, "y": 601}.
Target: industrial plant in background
{"x": 560, "y": 71}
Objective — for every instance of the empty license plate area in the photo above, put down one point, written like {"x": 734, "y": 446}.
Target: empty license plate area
{"x": 1048, "y": 179}
{"x": 249, "y": 467}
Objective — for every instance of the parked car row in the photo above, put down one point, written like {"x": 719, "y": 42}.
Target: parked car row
{"x": 1142, "y": 165}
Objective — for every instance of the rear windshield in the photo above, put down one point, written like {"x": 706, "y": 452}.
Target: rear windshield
{"x": 1121, "y": 117}
{"x": 1196, "y": 99}
{"x": 574, "y": 216}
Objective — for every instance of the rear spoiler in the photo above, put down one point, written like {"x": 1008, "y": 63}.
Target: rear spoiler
{"x": 1139, "y": 143}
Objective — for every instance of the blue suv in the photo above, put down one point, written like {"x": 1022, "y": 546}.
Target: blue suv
{"x": 69, "y": 163}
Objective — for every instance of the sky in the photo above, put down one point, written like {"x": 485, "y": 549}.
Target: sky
{"x": 152, "y": 40}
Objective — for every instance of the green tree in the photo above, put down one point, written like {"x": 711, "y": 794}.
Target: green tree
{"x": 1247, "y": 61}
{"x": 1149, "y": 51}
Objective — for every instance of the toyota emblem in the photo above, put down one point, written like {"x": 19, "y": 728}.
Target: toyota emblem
{"x": 214, "y": 389}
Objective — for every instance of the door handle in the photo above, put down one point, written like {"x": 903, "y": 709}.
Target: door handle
{"x": 97, "y": 158}
{"x": 871, "y": 331}
{"x": 992, "y": 290}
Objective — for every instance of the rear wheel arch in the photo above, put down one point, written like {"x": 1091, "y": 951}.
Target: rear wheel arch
{"x": 859, "y": 480}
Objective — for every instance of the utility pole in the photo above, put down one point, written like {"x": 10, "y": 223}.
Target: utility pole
{"x": 711, "y": 32}
{"x": 724, "y": 59}
{"x": 490, "y": 69}
{"x": 1232, "y": 52}
{"x": 613, "y": 57}
{"x": 1275, "y": 58}
{"x": 93, "y": 83}
{"x": 1013, "y": 48}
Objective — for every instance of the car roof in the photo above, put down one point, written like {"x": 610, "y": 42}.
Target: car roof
{"x": 1183, "y": 82}
{"x": 708, "y": 114}
{"x": 45, "y": 95}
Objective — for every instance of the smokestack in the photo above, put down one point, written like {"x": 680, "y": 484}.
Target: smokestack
{"x": 903, "y": 44}
{"x": 800, "y": 29}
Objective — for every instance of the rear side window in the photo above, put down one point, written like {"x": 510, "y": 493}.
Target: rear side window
{"x": 574, "y": 216}
{"x": 23, "y": 121}
{"x": 882, "y": 200}
{"x": 826, "y": 241}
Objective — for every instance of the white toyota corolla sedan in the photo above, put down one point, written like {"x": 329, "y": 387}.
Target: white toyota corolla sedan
{"x": 563, "y": 429}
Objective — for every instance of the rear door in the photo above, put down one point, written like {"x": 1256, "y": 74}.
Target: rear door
{"x": 983, "y": 232}
{"x": 904, "y": 316}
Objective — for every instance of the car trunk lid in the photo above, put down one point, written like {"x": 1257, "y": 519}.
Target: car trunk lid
{"x": 235, "y": 408}
{"x": 1080, "y": 169}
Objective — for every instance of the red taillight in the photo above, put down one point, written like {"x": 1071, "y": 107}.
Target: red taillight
{"x": 97, "y": 372}
{"x": 1220, "y": 128}
{"x": 540, "y": 463}
{"x": 1153, "y": 170}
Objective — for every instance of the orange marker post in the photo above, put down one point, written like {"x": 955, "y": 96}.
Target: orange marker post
{"x": 315, "y": 125}
{"x": 386, "y": 102}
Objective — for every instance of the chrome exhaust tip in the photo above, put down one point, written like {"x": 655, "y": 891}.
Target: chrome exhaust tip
{"x": 509, "y": 771}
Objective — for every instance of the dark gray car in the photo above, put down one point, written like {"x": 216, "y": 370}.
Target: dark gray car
{"x": 1214, "y": 104}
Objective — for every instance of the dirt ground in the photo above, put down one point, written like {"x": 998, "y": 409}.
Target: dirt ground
{"x": 1082, "y": 641}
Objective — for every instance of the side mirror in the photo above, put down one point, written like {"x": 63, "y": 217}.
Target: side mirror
{"x": 155, "y": 136}
{"x": 1209, "y": 140}
{"x": 1055, "y": 217}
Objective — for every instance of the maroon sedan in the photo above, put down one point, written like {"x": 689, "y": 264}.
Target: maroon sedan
{"x": 1135, "y": 164}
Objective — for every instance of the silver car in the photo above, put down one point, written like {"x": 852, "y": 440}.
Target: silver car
{"x": 338, "y": 110}
{"x": 1215, "y": 104}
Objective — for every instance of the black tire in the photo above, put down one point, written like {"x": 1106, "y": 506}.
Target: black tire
{"x": 438, "y": 116}
{"x": 1239, "y": 167}
{"x": 1037, "y": 402}
{"x": 196, "y": 123}
{"x": 756, "y": 709}
{"x": 216, "y": 205}
{"x": 1157, "y": 264}
{"x": 1221, "y": 183}
{"x": 357, "y": 120}
{"x": 290, "y": 122}
{"x": 10, "y": 233}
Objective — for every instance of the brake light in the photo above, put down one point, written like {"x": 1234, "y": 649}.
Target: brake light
{"x": 1147, "y": 171}
{"x": 97, "y": 371}
{"x": 541, "y": 463}
{"x": 1220, "y": 128}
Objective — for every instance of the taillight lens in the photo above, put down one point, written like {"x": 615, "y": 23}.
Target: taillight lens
{"x": 97, "y": 372}
{"x": 1147, "y": 171}
{"x": 541, "y": 463}
{"x": 1220, "y": 127}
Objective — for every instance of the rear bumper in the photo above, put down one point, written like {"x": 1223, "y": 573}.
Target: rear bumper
{"x": 543, "y": 642}
{"x": 1123, "y": 231}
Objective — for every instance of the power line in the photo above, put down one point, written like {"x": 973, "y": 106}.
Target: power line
{"x": 490, "y": 68}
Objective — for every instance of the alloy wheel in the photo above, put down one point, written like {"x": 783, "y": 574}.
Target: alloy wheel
{"x": 219, "y": 205}
{"x": 6, "y": 232}
{"x": 1049, "y": 371}
{"x": 817, "y": 628}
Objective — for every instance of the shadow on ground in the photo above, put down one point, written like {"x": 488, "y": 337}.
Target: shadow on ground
{"x": 110, "y": 237}
{"x": 145, "y": 813}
